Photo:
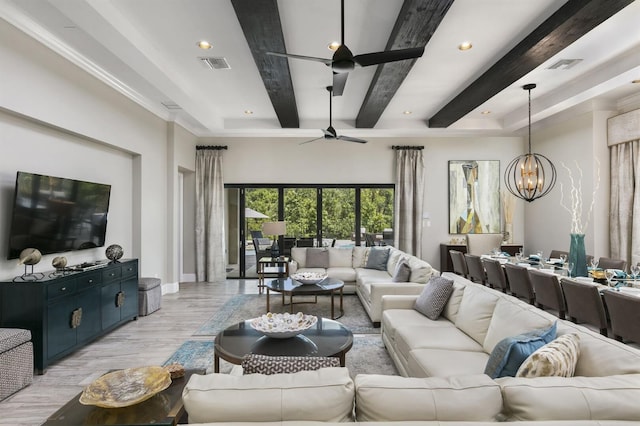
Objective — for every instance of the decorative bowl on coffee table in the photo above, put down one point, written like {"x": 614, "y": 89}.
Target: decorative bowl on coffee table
{"x": 308, "y": 277}
{"x": 283, "y": 326}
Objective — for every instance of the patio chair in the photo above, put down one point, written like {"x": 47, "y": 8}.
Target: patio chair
{"x": 584, "y": 304}
{"x": 262, "y": 247}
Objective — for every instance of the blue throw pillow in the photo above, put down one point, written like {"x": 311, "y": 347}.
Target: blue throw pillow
{"x": 377, "y": 259}
{"x": 511, "y": 352}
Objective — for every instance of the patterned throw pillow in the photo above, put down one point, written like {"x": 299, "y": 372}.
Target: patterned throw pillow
{"x": 317, "y": 258}
{"x": 378, "y": 258}
{"x": 509, "y": 354}
{"x": 402, "y": 272}
{"x": 434, "y": 296}
{"x": 264, "y": 364}
{"x": 558, "y": 358}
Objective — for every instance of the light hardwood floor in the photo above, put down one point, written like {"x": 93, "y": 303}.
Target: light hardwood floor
{"x": 147, "y": 341}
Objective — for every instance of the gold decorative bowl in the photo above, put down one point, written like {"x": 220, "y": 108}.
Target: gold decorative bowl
{"x": 126, "y": 387}
{"x": 598, "y": 275}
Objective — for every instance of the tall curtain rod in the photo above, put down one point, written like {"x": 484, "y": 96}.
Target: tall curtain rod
{"x": 417, "y": 147}
{"x": 217, "y": 147}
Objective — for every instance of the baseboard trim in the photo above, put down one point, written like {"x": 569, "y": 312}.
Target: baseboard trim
{"x": 169, "y": 288}
{"x": 188, "y": 278}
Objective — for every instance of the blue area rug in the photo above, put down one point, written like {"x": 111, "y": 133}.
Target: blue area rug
{"x": 245, "y": 306}
{"x": 193, "y": 354}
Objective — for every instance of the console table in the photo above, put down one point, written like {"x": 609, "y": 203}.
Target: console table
{"x": 67, "y": 310}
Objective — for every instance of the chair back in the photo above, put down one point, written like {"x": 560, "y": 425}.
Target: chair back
{"x": 584, "y": 303}
{"x": 459, "y": 263}
{"x": 610, "y": 263}
{"x": 256, "y": 234}
{"x": 495, "y": 275}
{"x": 262, "y": 247}
{"x": 475, "y": 270}
{"x": 548, "y": 291}
{"x": 480, "y": 244}
{"x": 624, "y": 312}
{"x": 304, "y": 242}
{"x": 519, "y": 282}
{"x": 555, "y": 254}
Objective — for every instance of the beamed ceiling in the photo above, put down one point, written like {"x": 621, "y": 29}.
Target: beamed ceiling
{"x": 147, "y": 50}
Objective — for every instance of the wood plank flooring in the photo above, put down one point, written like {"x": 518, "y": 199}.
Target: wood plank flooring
{"x": 149, "y": 340}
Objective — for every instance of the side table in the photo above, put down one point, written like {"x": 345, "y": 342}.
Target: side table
{"x": 164, "y": 409}
{"x": 268, "y": 267}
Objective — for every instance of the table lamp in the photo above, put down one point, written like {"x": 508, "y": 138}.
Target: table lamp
{"x": 276, "y": 229}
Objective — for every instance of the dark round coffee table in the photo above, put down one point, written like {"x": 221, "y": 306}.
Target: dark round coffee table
{"x": 291, "y": 287}
{"x": 326, "y": 338}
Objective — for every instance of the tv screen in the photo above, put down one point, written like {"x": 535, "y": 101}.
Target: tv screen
{"x": 54, "y": 214}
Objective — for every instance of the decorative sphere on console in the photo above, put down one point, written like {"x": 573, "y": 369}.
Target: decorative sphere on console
{"x": 59, "y": 262}
{"x": 114, "y": 252}
{"x": 30, "y": 256}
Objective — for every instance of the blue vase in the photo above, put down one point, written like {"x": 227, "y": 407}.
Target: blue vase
{"x": 578, "y": 255}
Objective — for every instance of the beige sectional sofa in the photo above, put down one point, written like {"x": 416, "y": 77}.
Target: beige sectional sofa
{"x": 349, "y": 265}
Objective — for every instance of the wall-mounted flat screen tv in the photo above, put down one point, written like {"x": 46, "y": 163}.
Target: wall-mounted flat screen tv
{"x": 54, "y": 214}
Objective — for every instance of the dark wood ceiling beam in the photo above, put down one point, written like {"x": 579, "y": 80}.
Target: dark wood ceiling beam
{"x": 260, "y": 22}
{"x": 416, "y": 23}
{"x": 573, "y": 20}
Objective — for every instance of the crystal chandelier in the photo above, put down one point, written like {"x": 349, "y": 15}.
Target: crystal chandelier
{"x": 530, "y": 176}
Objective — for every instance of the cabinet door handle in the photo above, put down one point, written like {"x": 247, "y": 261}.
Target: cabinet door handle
{"x": 119, "y": 299}
{"x": 90, "y": 281}
{"x": 76, "y": 318}
{"x": 113, "y": 274}
{"x": 63, "y": 289}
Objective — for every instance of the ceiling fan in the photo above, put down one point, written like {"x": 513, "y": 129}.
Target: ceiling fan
{"x": 344, "y": 61}
{"x": 330, "y": 133}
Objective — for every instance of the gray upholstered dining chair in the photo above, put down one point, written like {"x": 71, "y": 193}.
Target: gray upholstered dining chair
{"x": 548, "y": 291}
{"x": 519, "y": 282}
{"x": 459, "y": 263}
{"x": 610, "y": 263}
{"x": 480, "y": 244}
{"x": 555, "y": 254}
{"x": 475, "y": 270}
{"x": 584, "y": 303}
{"x": 624, "y": 313}
{"x": 495, "y": 275}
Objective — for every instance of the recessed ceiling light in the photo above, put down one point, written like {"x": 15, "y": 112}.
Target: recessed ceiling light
{"x": 333, "y": 46}
{"x": 485, "y": 112}
{"x": 407, "y": 112}
{"x": 248, "y": 112}
{"x": 465, "y": 45}
{"x": 204, "y": 44}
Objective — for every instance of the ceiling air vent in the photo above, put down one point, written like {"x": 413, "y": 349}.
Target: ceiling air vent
{"x": 215, "y": 63}
{"x": 171, "y": 105}
{"x": 564, "y": 64}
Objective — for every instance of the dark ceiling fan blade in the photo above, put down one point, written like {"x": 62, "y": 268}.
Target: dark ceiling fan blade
{"x": 312, "y": 140}
{"x": 388, "y": 56}
{"x": 330, "y": 133}
{"x": 306, "y": 58}
{"x": 339, "y": 81}
{"x": 351, "y": 139}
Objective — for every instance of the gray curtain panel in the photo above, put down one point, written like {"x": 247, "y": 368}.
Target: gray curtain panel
{"x": 210, "y": 224}
{"x": 625, "y": 202}
{"x": 408, "y": 201}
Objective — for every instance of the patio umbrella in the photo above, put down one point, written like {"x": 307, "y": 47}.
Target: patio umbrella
{"x": 254, "y": 214}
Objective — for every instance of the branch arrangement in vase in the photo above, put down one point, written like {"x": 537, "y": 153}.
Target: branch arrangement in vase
{"x": 578, "y": 226}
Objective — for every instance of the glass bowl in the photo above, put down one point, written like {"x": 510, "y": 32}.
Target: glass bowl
{"x": 283, "y": 326}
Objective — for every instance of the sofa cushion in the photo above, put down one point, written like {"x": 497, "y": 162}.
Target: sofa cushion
{"x": 410, "y": 337}
{"x": 402, "y": 272}
{"x": 558, "y": 358}
{"x": 393, "y": 398}
{"x": 392, "y": 319}
{"x": 321, "y": 395}
{"x": 377, "y": 259}
{"x": 512, "y": 317}
{"x": 433, "y": 297}
{"x": 444, "y": 362}
{"x": 345, "y": 274}
{"x": 452, "y": 307}
{"x": 341, "y": 257}
{"x": 317, "y": 258}
{"x": 299, "y": 255}
{"x": 476, "y": 310}
{"x": 509, "y": 354}
{"x": 360, "y": 256}
{"x": 572, "y": 398}
{"x": 395, "y": 256}
{"x": 265, "y": 364}
{"x": 421, "y": 271}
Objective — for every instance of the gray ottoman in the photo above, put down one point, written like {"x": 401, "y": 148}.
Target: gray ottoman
{"x": 149, "y": 295}
{"x": 16, "y": 360}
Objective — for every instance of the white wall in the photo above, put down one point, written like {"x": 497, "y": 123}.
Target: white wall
{"x": 272, "y": 160}
{"x": 41, "y": 87}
